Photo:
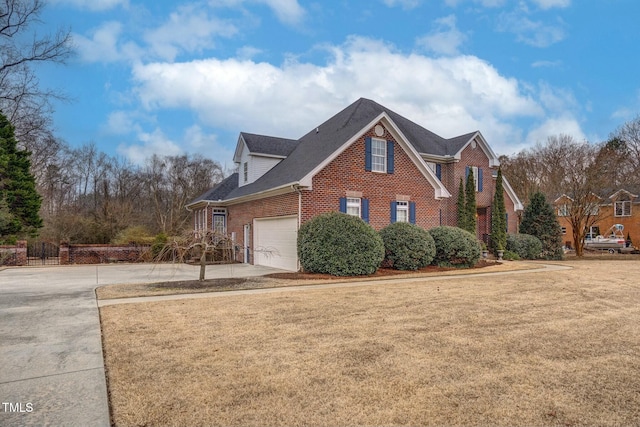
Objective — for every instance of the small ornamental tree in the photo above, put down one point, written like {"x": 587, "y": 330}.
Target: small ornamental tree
{"x": 540, "y": 220}
{"x": 461, "y": 207}
{"x": 407, "y": 246}
{"x": 470, "y": 203}
{"x": 498, "y": 217}
{"x": 339, "y": 244}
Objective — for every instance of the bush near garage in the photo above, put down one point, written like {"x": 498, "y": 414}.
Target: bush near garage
{"x": 455, "y": 247}
{"x": 525, "y": 245}
{"x": 407, "y": 246}
{"x": 339, "y": 244}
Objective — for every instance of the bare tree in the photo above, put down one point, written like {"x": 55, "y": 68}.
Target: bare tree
{"x": 627, "y": 140}
{"x": 201, "y": 247}
{"x": 25, "y": 103}
{"x": 564, "y": 166}
{"x": 172, "y": 181}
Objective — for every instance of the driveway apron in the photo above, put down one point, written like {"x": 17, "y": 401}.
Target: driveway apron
{"x": 52, "y": 370}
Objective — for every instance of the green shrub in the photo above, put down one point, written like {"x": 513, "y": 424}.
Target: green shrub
{"x": 407, "y": 246}
{"x": 136, "y": 234}
{"x": 510, "y": 256}
{"x": 159, "y": 243}
{"x": 525, "y": 245}
{"x": 455, "y": 247}
{"x": 339, "y": 244}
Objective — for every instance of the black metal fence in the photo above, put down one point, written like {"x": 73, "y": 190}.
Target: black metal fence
{"x": 43, "y": 253}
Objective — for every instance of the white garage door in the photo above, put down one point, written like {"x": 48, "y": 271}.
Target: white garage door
{"x": 275, "y": 242}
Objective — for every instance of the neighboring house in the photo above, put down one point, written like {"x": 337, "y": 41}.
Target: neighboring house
{"x": 621, "y": 207}
{"x": 366, "y": 161}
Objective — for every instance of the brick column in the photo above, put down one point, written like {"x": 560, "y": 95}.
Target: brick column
{"x": 64, "y": 253}
{"x": 21, "y": 252}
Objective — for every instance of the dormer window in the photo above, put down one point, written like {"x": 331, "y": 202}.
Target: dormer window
{"x": 245, "y": 171}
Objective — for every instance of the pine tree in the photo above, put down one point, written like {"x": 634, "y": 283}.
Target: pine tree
{"x": 540, "y": 220}
{"x": 461, "y": 208}
{"x": 470, "y": 203}
{"x": 498, "y": 217}
{"x": 17, "y": 187}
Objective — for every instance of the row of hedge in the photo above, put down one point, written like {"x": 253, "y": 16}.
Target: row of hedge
{"x": 344, "y": 245}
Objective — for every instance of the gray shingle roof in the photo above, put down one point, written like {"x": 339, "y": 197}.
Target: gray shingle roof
{"x": 310, "y": 150}
{"x": 220, "y": 191}
{"x": 269, "y": 144}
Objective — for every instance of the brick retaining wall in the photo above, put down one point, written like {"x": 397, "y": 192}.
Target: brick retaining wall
{"x": 101, "y": 254}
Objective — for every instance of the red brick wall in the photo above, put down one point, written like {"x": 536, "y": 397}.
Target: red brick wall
{"x": 451, "y": 175}
{"x": 244, "y": 213}
{"x": 346, "y": 173}
{"x": 99, "y": 254}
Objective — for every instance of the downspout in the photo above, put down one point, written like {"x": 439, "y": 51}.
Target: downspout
{"x": 296, "y": 188}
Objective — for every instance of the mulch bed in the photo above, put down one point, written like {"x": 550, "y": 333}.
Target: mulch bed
{"x": 253, "y": 282}
{"x": 382, "y": 272}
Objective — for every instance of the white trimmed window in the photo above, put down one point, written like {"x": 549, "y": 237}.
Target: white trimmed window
{"x": 563, "y": 210}
{"x": 245, "y": 167}
{"x": 402, "y": 211}
{"x": 219, "y": 225}
{"x": 378, "y": 155}
{"x": 623, "y": 208}
{"x": 354, "y": 205}
{"x": 475, "y": 177}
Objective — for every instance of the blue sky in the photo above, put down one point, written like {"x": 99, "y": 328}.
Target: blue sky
{"x": 174, "y": 77}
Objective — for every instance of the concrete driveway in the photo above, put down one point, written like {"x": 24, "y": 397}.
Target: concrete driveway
{"x": 52, "y": 370}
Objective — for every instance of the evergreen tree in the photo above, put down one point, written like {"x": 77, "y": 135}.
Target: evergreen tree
{"x": 498, "y": 217}
{"x": 470, "y": 203}
{"x": 461, "y": 208}
{"x": 17, "y": 187}
{"x": 540, "y": 220}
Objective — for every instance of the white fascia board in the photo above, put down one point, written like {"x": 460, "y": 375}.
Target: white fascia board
{"x": 484, "y": 145}
{"x": 440, "y": 191}
{"x": 517, "y": 204}
{"x": 283, "y": 189}
{"x": 239, "y": 147}
{"x": 271, "y": 156}
{"x": 561, "y": 196}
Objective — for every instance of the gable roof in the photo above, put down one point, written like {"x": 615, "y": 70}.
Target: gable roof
{"x": 322, "y": 142}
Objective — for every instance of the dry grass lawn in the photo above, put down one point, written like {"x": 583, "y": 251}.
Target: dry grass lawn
{"x": 557, "y": 348}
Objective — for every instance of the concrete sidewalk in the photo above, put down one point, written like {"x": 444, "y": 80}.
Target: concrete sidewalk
{"x": 50, "y": 338}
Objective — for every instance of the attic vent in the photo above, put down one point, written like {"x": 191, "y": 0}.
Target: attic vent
{"x": 474, "y": 144}
{"x": 379, "y": 130}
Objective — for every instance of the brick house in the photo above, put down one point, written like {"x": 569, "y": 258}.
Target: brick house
{"x": 620, "y": 207}
{"x": 366, "y": 161}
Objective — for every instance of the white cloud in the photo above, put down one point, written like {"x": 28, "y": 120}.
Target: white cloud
{"x": 188, "y": 29}
{"x": 564, "y": 124}
{"x": 531, "y": 32}
{"x": 445, "y": 39}
{"x": 546, "y": 64}
{"x": 101, "y": 46}
{"x": 449, "y": 96}
{"x": 405, "y": 4}
{"x": 95, "y": 5}
{"x": 155, "y": 142}
{"x": 549, "y": 4}
{"x": 287, "y": 11}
